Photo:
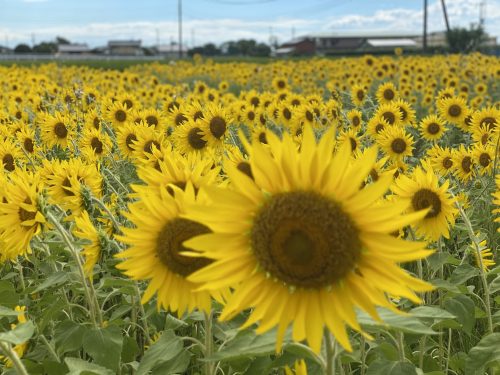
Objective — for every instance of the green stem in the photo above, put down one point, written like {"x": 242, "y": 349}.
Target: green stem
{"x": 330, "y": 354}
{"x": 88, "y": 288}
{"x": 448, "y": 351}
{"x": 401, "y": 346}
{"x": 19, "y": 267}
{"x": 363, "y": 356}
{"x": 209, "y": 342}
{"x": 51, "y": 349}
{"x": 108, "y": 212}
{"x": 421, "y": 352}
{"x": 6, "y": 348}
{"x": 482, "y": 273}
{"x": 144, "y": 320}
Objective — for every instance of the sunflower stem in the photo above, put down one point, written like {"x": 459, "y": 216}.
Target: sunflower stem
{"x": 19, "y": 267}
{"x": 209, "y": 365}
{"x": 482, "y": 273}
{"x": 401, "y": 346}
{"x": 144, "y": 320}
{"x": 330, "y": 354}
{"x": 6, "y": 348}
{"x": 116, "y": 225}
{"x": 88, "y": 288}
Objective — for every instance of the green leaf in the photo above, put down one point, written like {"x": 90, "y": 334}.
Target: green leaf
{"x": 463, "y": 308}
{"x": 21, "y": 333}
{"x": 463, "y": 273}
{"x": 404, "y": 322}
{"x": 104, "y": 345}
{"x": 68, "y": 337}
{"x": 78, "y": 366}
{"x": 247, "y": 344}
{"x": 438, "y": 259}
{"x": 495, "y": 285}
{"x": 445, "y": 284}
{"x": 431, "y": 312}
{"x": 173, "y": 323}
{"x": 383, "y": 367}
{"x": 177, "y": 365}
{"x": 8, "y": 294}
{"x": 5, "y": 311}
{"x": 167, "y": 347}
{"x": 130, "y": 349}
{"x": 485, "y": 354}
{"x": 54, "y": 279}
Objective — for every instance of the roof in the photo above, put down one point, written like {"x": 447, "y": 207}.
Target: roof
{"x": 124, "y": 43}
{"x": 73, "y": 48}
{"x": 348, "y": 43}
{"x": 284, "y": 50}
{"x": 167, "y": 48}
{"x": 382, "y": 34}
{"x": 401, "y": 42}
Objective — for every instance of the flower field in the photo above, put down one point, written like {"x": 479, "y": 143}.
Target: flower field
{"x": 306, "y": 216}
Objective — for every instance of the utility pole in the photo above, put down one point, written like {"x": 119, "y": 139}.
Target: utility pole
{"x": 157, "y": 37}
{"x": 179, "y": 11}
{"x": 482, "y": 12}
{"x": 445, "y": 13}
{"x": 424, "y": 39}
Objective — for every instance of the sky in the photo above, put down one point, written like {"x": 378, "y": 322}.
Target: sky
{"x": 96, "y": 21}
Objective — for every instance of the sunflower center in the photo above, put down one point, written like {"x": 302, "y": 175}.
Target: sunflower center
{"x": 28, "y": 145}
{"x": 60, "y": 130}
{"x": 433, "y": 128}
{"x": 425, "y": 198}
{"x": 309, "y": 116}
{"x": 97, "y": 123}
{"x": 218, "y": 126}
{"x": 148, "y": 146}
{"x": 388, "y": 94}
{"x": 263, "y": 138}
{"x": 356, "y": 121}
{"x": 389, "y": 117}
{"x": 466, "y": 164}
{"x": 447, "y": 162}
{"x": 404, "y": 113}
{"x": 66, "y": 184}
{"x": 353, "y": 144}
{"x": 245, "y": 168}
{"x": 304, "y": 239}
{"x": 152, "y": 120}
{"x": 398, "y": 146}
{"x": 197, "y": 115}
{"x": 379, "y": 128}
{"x": 484, "y": 139}
{"x": 484, "y": 159}
{"x": 360, "y": 95}
{"x": 195, "y": 138}
{"x": 489, "y": 121}
{"x": 25, "y": 215}
{"x": 180, "y": 119}
{"x": 8, "y": 162}
{"x": 129, "y": 141}
{"x": 251, "y": 115}
{"x": 169, "y": 246}
{"x": 281, "y": 84}
{"x": 454, "y": 110}
{"x": 120, "y": 115}
{"x": 96, "y": 145}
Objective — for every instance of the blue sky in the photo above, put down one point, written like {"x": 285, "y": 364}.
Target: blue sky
{"x": 96, "y": 21}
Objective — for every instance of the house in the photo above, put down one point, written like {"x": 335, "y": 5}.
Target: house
{"x": 5, "y": 49}
{"x": 125, "y": 48}
{"x": 348, "y": 42}
{"x": 170, "y": 50}
{"x": 73, "y": 49}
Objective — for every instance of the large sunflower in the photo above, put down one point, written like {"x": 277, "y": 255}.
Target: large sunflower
{"x": 395, "y": 142}
{"x": 432, "y": 128}
{"x": 155, "y": 246}
{"x": 422, "y": 189}
{"x": 301, "y": 244}
{"x": 454, "y": 109}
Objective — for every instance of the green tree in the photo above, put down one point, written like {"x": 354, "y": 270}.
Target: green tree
{"x": 462, "y": 40}
{"x": 22, "y": 48}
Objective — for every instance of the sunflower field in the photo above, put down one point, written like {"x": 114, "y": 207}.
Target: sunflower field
{"x": 320, "y": 216}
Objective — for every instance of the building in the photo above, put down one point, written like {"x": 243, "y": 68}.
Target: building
{"x": 125, "y": 48}
{"x": 5, "y": 49}
{"x": 169, "y": 50}
{"x": 346, "y": 43}
{"x": 73, "y": 49}
{"x": 438, "y": 39}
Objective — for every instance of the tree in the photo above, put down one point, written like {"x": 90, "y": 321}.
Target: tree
{"x": 208, "y": 49}
{"x": 61, "y": 40}
{"x": 22, "y": 48}
{"x": 462, "y": 40}
{"x": 45, "y": 47}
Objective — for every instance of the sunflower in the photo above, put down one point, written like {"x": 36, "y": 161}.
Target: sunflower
{"x": 118, "y": 114}
{"x": 441, "y": 160}
{"x": 358, "y": 95}
{"x": 190, "y": 137}
{"x": 463, "y": 164}
{"x": 21, "y": 348}
{"x": 352, "y": 136}
{"x": 155, "y": 247}
{"x": 85, "y": 230}
{"x": 407, "y": 112}
{"x": 483, "y": 135}
{"x": 10, "y": 155}
{"x": 93, "y": 120}
{"x": 454, "y": 109}
{"x": 389, "y": 112}
{"x": 488, "y": 117}
{"x": 126, "y": 135}
{"x": 376, "y": 125}
{"x": 280, "y": 83}
{"x": 483, "y": 157}
{"x": 27, "y": 140}
{"x": 95, "y": 144}
{"x": 395, "y": 143}
{"x": 214, "y": 124}
{"x": 302, "y": 244}
{"x": 20, "y": 216}
{"x": 386, "y": 93}
{"x": 432, "y": 128}
{"x": 423, "y": 191}
{"x": 147, "y": 139}
{"x": 355, "y": 118}
{"x": 56, "y": 130}
{"x": 178, "y": 115}
{"x": 485, "y": 259}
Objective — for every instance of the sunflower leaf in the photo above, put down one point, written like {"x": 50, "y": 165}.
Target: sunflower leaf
{"x": 485, "y": 353}
{"x": 384, "y": 367}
